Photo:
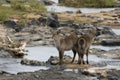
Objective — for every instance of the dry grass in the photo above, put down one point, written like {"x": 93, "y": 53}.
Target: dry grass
{"x": 88, "y": 18}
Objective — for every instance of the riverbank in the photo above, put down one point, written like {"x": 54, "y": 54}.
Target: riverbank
{"x": 58, "y": 75}
{"x": 110, "y": 18}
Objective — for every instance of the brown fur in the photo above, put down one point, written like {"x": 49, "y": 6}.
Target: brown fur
{"x": 64, "y": 43}
{"x": 72, "y": 42}
{"x": 84, "y": 43}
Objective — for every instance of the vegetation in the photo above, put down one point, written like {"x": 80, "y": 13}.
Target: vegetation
{"x": 20, "y": 8}
{"x": 89, "y": 3}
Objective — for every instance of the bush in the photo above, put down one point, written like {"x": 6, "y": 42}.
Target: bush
{"x": 89, "y": 3}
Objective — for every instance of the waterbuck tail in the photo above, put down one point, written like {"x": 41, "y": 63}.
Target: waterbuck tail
{"x": 81, "y": 43}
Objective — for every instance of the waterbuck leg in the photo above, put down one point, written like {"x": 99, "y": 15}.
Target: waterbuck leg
{"x": 74, "y": 52}
{"x": 79, "y": 58}
{"x": 61, "y": 57}
{"x": 87, "y": 56}
{"x": 82, "y": 59}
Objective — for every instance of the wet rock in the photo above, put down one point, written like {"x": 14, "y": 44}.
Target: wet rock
{"x": 100, "y": 38}
{"x": 113, "y": 75}
{"x": 69, "y": 12}
{"x": 5, "y": 54}
{"x": 110, "y": 42}
{"x": 112, "y": 54}
{"x": 42, "y": 21}
{"x": 53, "y": 60}
{"x": 32, "y": 62}
{"x": 78, "y": 12}
{"x": 34, "y": 22}
{"x": 66, "y": 23}
{"x": 101, "y": 72}
{"x": 104, "y": 33}
{"x": 52, "y": 20}
{"x": 48, "y": 2}
{"x": 12, "y": 24}
{"x": 104, "y": 30}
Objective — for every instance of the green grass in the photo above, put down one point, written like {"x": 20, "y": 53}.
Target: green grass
{"x": 7, "y": 12}
{"x": 19, "y": 8}
{"x": 31, "y": 6}
{"x": 89, "y": 3}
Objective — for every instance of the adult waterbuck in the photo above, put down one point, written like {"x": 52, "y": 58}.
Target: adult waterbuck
{"x": 64, "y": 43}
{"x": 84, "y": 43}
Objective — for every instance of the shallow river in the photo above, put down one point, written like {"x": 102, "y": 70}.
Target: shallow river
{"x": 57, "y": 8}
{"x": 42, "y": 53}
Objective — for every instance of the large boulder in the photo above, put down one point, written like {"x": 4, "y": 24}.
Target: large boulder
{"x": 52, "y": 20}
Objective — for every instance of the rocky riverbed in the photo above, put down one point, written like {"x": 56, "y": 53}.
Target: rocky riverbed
{"x": 39, "y": 35}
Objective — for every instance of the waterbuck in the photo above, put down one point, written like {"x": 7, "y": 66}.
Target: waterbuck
{"x": 64, "y": 43}
{"x": 84, "y": 43}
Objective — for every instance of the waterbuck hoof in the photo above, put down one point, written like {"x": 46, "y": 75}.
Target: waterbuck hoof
{"x": 60, "y": 63}
{"x": 87, "y": 62}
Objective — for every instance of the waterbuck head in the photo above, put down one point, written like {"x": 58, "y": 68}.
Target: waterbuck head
{"x": 55, "y": 34}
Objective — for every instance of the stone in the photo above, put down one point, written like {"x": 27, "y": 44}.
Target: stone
{"x": 110, "y": 42}
{"x": 48, "y": 2}
{"x": 12, "y": 24}
{"x": 32, "y": 62}
{"x": 52, "y": 20}
{"x": 78, "y": 12}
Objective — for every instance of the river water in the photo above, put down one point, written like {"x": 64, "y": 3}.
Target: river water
{"x": 42, "y": 53}
{"x": 57, "y": 8}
